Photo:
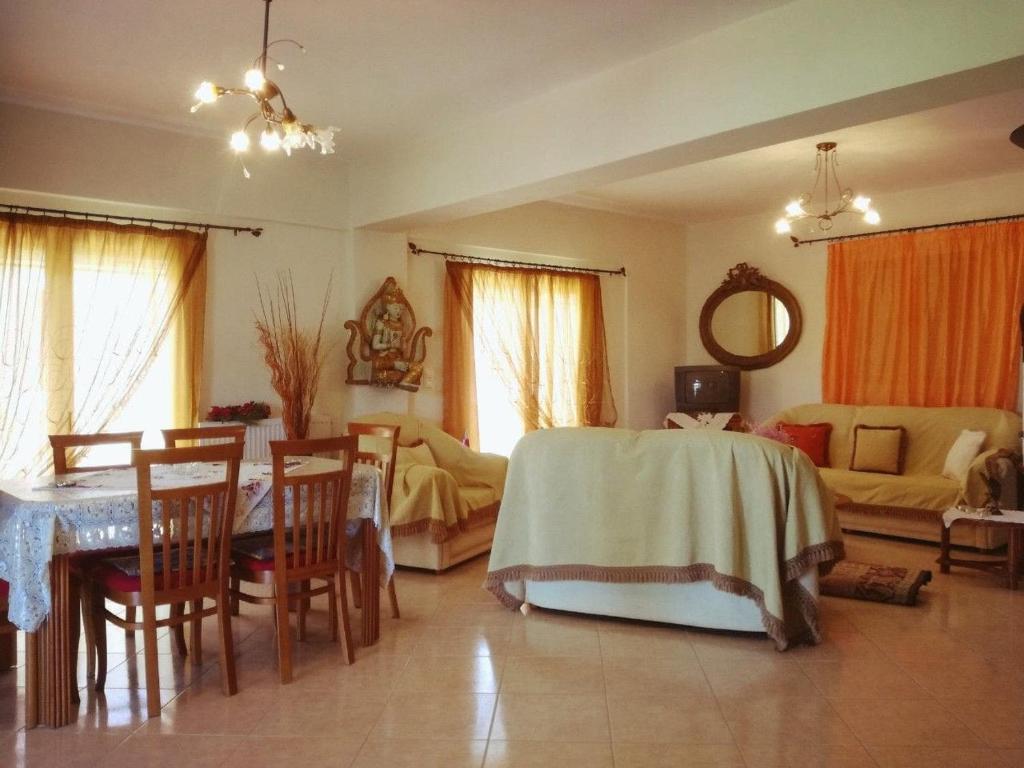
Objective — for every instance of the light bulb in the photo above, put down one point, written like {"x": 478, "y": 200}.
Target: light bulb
{"x": 254, "y": 79}
{"x": 861, "y": 203}
{"x": 270, "y": 140}
{"x": 207, "y": 92}
{"x": 871, "y": 216}
{"x": 782, "y": 227}
{"x": 795, "y": 209}
{"x": 240, "y": 141}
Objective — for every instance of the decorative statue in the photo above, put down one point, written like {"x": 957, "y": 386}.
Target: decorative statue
{"x": 386, "y": 337}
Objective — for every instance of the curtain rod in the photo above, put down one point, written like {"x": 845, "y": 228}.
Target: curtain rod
{"x": 797, "y": 242}
{"x": 416, "y": 250}
{"x": 33, "y": 211}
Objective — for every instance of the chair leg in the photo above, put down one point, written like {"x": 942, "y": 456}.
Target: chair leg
{"x": 75, "y": 593}
{"x": 197, "y": 633}
{"x": 178, "y": 631}
{"x": 152, "y": 668}
{"x": 284, "y": 647}
{"x": 236, "y": 587}
{"x": 357, "y": 589}
{"x": 303, "y": 610}
{"x": 99, "y": 624}
{"x": 228, "y": 678}
{"x": 346, "y": 627}
{"x": 332, "y": 608}
{"x": 89, "y": 628}
{"x": 129, "y": 616}
{"x": 393, "y": 598}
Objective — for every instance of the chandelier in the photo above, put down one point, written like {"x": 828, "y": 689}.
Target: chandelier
{"x": 293, "y": 133}
{"x": 825, "y": 175}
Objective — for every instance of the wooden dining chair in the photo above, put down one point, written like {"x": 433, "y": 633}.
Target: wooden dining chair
{"x": 60, "y": 444}
{"x": 184, "y": 558}
{"x": 385, "y": 461}
{"x": 308, "y": 542}
{"x": 233, "y": 432}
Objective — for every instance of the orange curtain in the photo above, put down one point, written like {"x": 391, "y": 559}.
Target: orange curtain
{"x": 535, "y": 337}
{"x": 929, "y": 318}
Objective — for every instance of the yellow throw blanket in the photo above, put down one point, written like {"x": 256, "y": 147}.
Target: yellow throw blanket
{"x": 748, "y": 514}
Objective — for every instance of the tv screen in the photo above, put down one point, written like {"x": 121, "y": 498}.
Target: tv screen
{"x": 711, "y": 388}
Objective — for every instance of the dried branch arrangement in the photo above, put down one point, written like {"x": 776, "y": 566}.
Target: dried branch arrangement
{"x": 295, "y": 356}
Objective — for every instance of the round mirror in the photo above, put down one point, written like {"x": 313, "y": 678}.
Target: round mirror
{"x": 750, "y": 321}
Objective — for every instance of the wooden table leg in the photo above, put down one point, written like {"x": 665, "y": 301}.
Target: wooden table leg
{"x": 56, "y": 673}
{"x": 31, "y": 680}
{"x": 1013, "y": 554}
{"x": 370, "y": 578}
{"x": 944, "y": 551}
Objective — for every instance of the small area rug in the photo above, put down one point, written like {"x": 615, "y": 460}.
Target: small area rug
{"x": 877, "y": 583}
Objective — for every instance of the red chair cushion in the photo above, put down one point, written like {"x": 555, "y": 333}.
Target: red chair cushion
{"x": 812, "y": 439}
{"x": 5, "y": 589}
{"x": 116, "y": 579}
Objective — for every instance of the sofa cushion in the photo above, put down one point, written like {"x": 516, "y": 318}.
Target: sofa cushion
{"x": 812, "y": 439}
{"x": 841, "y": 417}
{"x": 878, "y": 449}
{"x": 965, "y": 449}
{"x": 907, "y": 491}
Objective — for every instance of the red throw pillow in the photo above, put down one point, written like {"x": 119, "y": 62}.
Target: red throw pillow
{"x": 812, "y": 439}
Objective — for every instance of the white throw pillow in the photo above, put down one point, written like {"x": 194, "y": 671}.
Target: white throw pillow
{"x": 963, "y": 452}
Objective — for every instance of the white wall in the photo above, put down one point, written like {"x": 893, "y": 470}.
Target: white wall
{"x": 712, "y": 248}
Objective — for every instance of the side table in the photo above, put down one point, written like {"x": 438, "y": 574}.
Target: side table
{"x": 1011, "y": 520}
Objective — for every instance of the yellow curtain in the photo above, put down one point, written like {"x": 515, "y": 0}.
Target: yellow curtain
{"x": 535, "y": 335}
{"x": 928, "y": 318}
{"x": 85, "y": 309}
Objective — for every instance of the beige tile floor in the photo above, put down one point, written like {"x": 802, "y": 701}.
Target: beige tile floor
{"x": 459, "y": 681}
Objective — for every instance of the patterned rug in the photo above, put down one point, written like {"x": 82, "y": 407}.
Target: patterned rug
{"x": 877, "y": 583}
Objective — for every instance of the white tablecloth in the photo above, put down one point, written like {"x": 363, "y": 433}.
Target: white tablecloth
{"x": 39, "y": 520}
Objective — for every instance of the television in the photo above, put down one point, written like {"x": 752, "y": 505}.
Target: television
{"x": 707, "y": 388}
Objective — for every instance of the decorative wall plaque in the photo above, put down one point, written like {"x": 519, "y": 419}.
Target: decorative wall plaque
{"x": 385, "y": 349}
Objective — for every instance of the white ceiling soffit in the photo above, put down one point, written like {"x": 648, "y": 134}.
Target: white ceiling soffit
{"x": 930, "y": 148}
{"x": 384, "y": 71}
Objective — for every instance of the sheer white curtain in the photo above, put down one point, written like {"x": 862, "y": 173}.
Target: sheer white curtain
{"x": 86, "y": 310}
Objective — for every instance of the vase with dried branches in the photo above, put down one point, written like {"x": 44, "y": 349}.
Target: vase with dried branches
{"x": 295, "y": 356}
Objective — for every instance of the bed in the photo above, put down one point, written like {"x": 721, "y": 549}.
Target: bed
{"x": 696, "y": 527}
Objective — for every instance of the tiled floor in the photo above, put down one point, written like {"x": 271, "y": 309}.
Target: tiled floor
{"x": 460, "y": 681}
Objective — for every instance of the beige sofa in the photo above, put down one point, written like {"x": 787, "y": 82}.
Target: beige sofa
{"x": 911, "y": 505}
{"x": 440, "y": 515}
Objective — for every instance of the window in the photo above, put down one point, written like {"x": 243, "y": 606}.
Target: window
{"x": 102, "y": 331}
{"x": 524, "y": 350}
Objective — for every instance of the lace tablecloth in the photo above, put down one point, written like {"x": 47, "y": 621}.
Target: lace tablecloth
{"x": 43, "y": 517}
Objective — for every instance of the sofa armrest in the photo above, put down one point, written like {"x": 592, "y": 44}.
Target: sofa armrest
{"x": 480, "y": 470}
{"x": 998, "y": 463}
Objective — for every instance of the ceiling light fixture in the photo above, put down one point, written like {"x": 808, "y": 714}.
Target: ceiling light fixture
{"x": 293, "y": 134}
{"x": 825, "y": 164}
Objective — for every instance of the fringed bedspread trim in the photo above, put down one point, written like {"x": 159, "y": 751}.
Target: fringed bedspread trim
{"x": 823, "y": 555}
{"x": 440, "y": 532}
{"x": 774, "y": 626}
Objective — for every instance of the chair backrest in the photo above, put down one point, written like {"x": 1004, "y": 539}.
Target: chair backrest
{"x": 384, "y": 460}
{"x": 61, "y": 443}
{"x": 313, "y": 523}
{"x": 228, "y": 433}
{"x": 185, "y": 530}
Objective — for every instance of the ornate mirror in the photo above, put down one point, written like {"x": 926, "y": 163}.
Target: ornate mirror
{"x": 750, "y": 321}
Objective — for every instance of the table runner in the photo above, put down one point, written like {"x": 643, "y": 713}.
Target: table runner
{"x": 39, "y": 520}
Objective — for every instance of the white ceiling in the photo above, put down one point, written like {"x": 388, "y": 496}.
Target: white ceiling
{"x": 930, "y": 148}
{"x": 384, "y": 71}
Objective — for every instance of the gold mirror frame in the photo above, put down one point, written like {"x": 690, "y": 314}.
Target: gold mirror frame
{"x": 744, "y": 277}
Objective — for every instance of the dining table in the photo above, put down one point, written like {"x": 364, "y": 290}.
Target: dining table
{"x": 46, "y": 522}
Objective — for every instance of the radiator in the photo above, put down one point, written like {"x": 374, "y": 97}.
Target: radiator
{"x": 259, "y": 435}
